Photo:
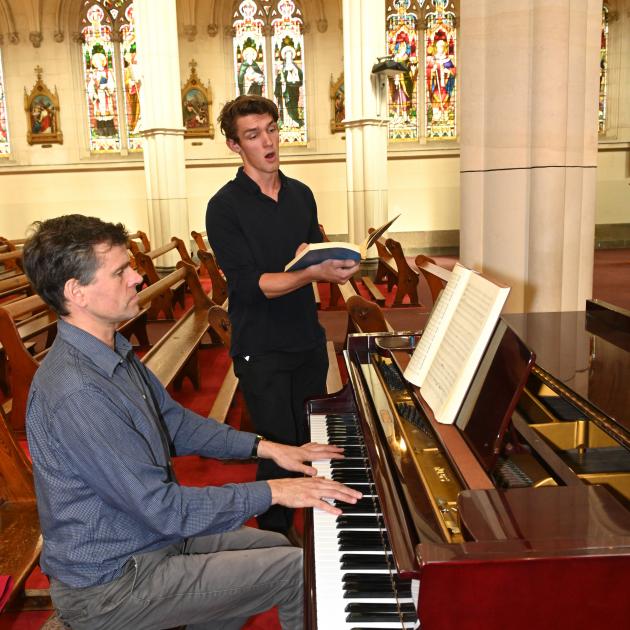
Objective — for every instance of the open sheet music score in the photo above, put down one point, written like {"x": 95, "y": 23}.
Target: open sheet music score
{"x": 454, "y": 340}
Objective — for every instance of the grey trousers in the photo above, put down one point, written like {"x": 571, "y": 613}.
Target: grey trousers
{"x": 212, "y": 582}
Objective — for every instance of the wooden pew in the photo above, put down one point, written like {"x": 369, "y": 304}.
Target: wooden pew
{"x": 11, "y": 263}
{"x": 220, "y": 322}
{"x": 145, "y": 266}
{"x": 386, "y": 269}
{"x": 436, "y": 276}
{"x": 15, "y": 287}
{"x": 20, "y": 321}
{"x": 175, "y": 355}
{"x": 200, "y": 240}
{"x": 20, "y": 535}
{"x": 406, "y": 279}
{"x": 138, "y": 242}
{"x": 219, "y": 284}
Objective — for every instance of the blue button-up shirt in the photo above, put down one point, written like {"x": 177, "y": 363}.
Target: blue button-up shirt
{"x": 101, "y": 465}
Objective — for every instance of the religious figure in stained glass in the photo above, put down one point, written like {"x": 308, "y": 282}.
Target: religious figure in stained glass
{"x": 100, "y": 81}
{"x": 249, "y": 49}
{"x": 284, "y": 80}
{"x": 288, "y": 70}
{"x": 5, "y": 147}
{"x": 289, "y": 80}
{"x": 603, "y": 70}
{"x": 402, "y": 26}
{"x": 251, "y": 78}
{"x": 440, "y": 72}
{"x": 131, "y": 78}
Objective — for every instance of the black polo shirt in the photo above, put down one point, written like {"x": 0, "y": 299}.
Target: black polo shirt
{"x": 252, "y": 234}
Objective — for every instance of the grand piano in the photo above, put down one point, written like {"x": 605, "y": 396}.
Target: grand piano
{"x": 515, "y": 517}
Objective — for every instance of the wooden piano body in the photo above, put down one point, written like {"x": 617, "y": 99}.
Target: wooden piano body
{"x": 518, "y": 516}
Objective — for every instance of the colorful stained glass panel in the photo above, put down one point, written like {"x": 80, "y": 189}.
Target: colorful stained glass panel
{"x": 100, "y": 82}
{"x": 402, "y": 44}
{"x": 131, "y": 80}
{"x": 603, "y": 71}
{"x": 5, "y": 145}
{"x": 287, "y": 43}
{"x": 440, "y": 41}
{"x": 249, "y": 50}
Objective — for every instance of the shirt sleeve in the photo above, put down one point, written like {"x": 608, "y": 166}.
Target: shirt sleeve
{"x": 234, "y": 257}
{"x": 104, "y": 447}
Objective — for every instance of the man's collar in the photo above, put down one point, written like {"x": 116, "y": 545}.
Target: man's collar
{"x": 246, "y": 182}
{"x": 98, "y": 352}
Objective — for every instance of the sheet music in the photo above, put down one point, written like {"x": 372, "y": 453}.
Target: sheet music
{"x": 442, "y": 311}
{"x": 462, "y": 346}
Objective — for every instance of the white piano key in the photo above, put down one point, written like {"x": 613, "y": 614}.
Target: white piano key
{"x": 331, "y": 603}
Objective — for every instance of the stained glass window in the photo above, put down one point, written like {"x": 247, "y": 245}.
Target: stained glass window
{"x": 5, "y": 146}
{"x": 131, "y": 78}
{"x": 440, "y": 39}
{"x": 109, "y": 60}
{"x": 266, "y": 29}
{"x": 408, "y": 117}
{"x": 402, "y": 44}
{"x": 603, "y": 70}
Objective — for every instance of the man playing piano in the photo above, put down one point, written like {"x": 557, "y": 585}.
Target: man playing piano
{"x": 256, "y": 224}
{"x": 125, "y": 546}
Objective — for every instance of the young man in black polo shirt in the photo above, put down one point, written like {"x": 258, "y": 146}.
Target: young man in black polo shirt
{"x": 256, "y": 224}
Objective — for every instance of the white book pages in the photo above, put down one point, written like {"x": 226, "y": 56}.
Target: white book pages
{"x": 433, "y": 332}
{"x": 462, "y": 346}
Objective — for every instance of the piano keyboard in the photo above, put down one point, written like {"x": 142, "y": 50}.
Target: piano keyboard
{"x": 355, "y": 579}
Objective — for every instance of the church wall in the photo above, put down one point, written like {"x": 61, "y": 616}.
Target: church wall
{"x": 423, "y": 180}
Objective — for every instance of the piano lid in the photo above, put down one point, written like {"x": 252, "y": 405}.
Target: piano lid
{"x": 584, "y": 352}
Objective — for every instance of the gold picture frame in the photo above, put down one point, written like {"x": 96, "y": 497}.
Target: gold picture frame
{"x": 197, "y": 107}
{"x": 337, "y": 104}
{"x": 42, "y": 113}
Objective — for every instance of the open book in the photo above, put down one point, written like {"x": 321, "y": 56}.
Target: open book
{"x": 454, "y": 340}
{"x": 314, "y": 253}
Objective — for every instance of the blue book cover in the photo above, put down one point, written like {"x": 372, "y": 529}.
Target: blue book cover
{"x": 318, "y": 252}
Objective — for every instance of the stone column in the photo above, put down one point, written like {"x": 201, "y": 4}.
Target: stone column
{"x": 529, "y": 84}
{"x": 161, "y": 120}
{"x": 366, "y": 116}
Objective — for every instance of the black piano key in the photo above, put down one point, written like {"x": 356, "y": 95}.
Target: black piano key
{"x": 371, "y": 612}
{"x": 366, "y": 504}
{"x": 361, "y": 594}
{"x": 348, "y": 476}
{"x": 366, "y": 488}
{"x": 349, "y": 462}
{"x": 355, "y": 561}
{"x": 354, "y": 451}
{"x": 366, "y": 578}
{"x": 350, "y": 521}
{"x": 375, "y": 537}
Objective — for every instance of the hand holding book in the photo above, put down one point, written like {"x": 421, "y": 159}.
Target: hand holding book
{"x": 315, "y": 253}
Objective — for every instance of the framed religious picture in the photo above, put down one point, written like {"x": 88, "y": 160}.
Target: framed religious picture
{"x": 337, "y": 104}
{"x": 197, "y": 107}
{"x": 42, "y": 113}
